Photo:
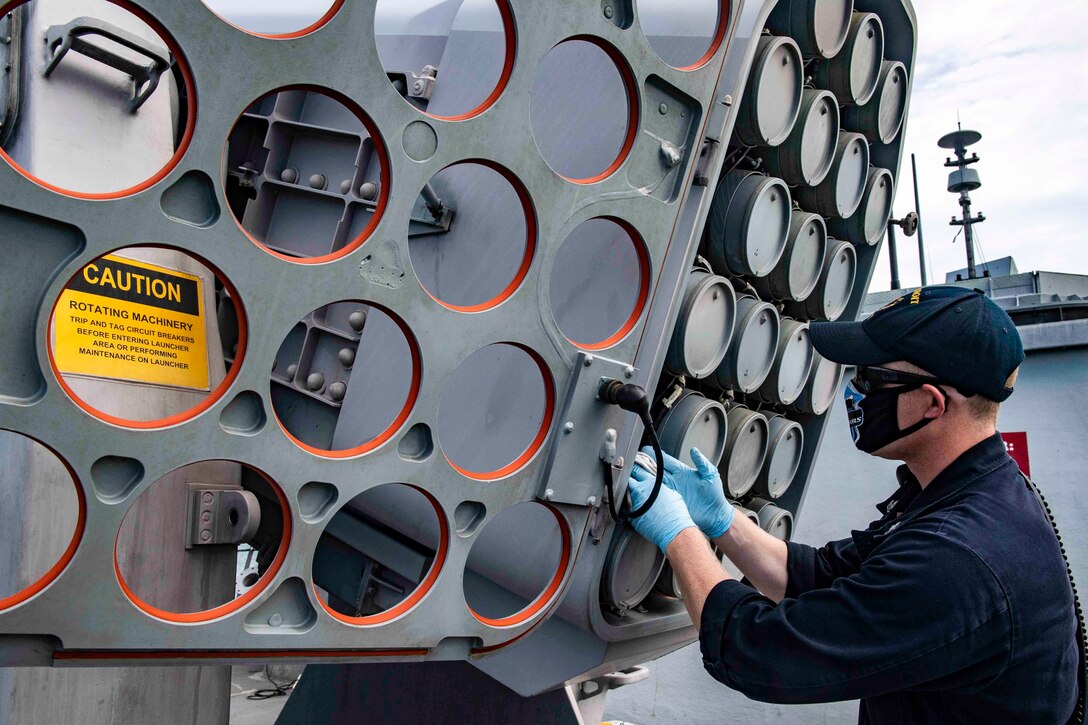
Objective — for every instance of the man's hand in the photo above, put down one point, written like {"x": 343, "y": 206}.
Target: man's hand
{"x": 666, "y": 519}
{"x": 700, "y": 488}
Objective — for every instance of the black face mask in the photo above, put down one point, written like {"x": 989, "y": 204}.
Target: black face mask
{"x": 874, "y": 417}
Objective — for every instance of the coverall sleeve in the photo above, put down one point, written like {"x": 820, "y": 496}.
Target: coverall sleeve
{"x": 810, "y": 568}
{"x": 922, "y": 608}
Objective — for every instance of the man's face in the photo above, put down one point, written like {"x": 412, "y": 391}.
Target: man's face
{"x": 912, "y": 407}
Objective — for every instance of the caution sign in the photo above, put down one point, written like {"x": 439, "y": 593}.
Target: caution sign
{"x": 129, "y": 320}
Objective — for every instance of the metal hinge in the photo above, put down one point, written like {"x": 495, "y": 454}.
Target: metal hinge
{"x": 220, "y": 514}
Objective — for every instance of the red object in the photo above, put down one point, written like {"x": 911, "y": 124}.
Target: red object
{"x": 1017, "y": 446}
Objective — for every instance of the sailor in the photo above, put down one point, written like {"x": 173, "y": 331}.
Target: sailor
{"x": 954, "y": 606}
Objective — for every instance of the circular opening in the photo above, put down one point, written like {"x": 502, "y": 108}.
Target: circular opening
{"x": 146, "y": 337}
{"x": 599, "y": 283}
{"x": 471, "y": 236}
{"x": 185, "y": 568}
{"x": 516, "y": 564}
{"x": 449, "y": 60}
{"x": 306, "y": 174}
{"x": 345, "y": 379}
{"x": 584, "y": 129}
{"x": 495, "y": 411}
{"x": 133, "y": 125}
{"x": 42, "y": 504}
{"x": 684, "y": 35}
{"x": 380, "y": 554}
{"x": 278, "y": 19}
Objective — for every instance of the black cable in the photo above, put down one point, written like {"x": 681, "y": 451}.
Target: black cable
{"x": 278, "y": 689}
{"x": 633, "y": 399}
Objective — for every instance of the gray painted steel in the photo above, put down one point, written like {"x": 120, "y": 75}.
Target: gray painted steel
{"x": 772, "y": 99}
{"x": 806, "y": 156}
{"x": 820, "y": 27}
{"x": 798, "y": 272}
{"x": 854, "y": 73}
{"x": 683, "y": 127}
{"x": 840, "y": 193}
{"x": 882, "y": 117}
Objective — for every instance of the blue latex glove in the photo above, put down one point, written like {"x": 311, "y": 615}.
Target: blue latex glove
{"x": 666, "y": 519}
{"x": 699, "y": 487}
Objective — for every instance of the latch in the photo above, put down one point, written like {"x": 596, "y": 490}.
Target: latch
{"x": 219, "y": 514}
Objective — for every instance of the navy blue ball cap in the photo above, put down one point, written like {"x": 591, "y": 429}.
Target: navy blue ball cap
{"x": 958, "y": 335}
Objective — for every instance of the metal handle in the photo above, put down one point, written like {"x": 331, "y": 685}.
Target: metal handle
{"x": 59, "y": 39}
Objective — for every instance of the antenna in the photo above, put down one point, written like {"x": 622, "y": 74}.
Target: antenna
{"x": 962, "y": 181}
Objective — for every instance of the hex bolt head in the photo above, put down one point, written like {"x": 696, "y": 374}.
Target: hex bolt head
{"x": 368, "y": 191}
{"x": 346, "y": 356}
{"x": 315, "y": 381}
{"x": 318, "y": 181}
{"x": 289, "y": 175}
{"x": 357, "y": 319}
{"x": 292, "y": 369}
{"x": 275, "y": 620}
{"x": 568, "y": 427}
{"x": 337, "y": 391}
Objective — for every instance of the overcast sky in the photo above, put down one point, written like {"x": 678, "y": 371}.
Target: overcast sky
{"x": 1015, "y": 72}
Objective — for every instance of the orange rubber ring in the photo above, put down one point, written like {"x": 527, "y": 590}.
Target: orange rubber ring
{"x": 190, "y": 116}
{"x": 235, "y": 604}
{"x": 420, "y": 591}
{"x": 204, "y": 405}
{"x": 62, "y": 563}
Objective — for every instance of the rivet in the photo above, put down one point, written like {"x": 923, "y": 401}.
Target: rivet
{"x": 628, "y": 372}
{"x": 291, "y": 370}
{"x": 549, "y": 495}
{"x": 289, "y": 175}
{"x": 608, "y": 12}
{"x": 663, "y": 109}
{"x": 275, "y": 620}
{"x": 346, "y": 356}
{"x": 337, "y": 391}
{"x": 319, "y": 182}
{"x": 357, "y": 319}
{"x": 207, "y": 498}
{"x": 315, "y": 381}
{"x": 591, "y": 501}
{"x": 588, "y": 360}
{"x": 368, "y": 191}
{"x": 205, "y": 535}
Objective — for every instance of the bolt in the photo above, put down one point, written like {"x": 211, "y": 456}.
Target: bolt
{"x": 608, "y": 12}
{"x": 628, "y": 372}
{"x": 206, "y": 517}
{"x": 368, "y": 191}
{"x": 417, "y": 87}
{"x": 275, "y": 620}
{"x": 205, "y": 535}
{"x": 549, "y": 495}
{"x": 663, "y": 109}
{"x": 337, "y": 391}
{"x": 207, "y": 498}
{"x": 357, "y": 319}
{"x": 568, "y": 427}
{"x": 591, "y": 501}
{"x": 588, "y": 360}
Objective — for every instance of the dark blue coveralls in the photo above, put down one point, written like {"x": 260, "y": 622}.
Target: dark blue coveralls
{"x": 954, "y": 607}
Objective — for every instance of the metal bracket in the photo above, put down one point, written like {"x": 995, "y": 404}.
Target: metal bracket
{"x": 220, "y": 514}
{"x": 11, "y": 54}
{"x": 423, "y": 83}
{"x": 59, "y": 39}
{"x": 572, "y": 471}
{"x": 708, "y": 160}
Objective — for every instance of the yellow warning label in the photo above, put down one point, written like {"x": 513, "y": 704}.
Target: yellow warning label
{"x": 129, "y": 320}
